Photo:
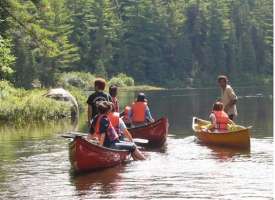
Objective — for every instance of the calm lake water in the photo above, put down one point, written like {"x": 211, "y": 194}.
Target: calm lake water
{"x": 34, "y": 160}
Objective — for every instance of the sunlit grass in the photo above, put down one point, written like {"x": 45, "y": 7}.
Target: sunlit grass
{"x": 19, "y": 105}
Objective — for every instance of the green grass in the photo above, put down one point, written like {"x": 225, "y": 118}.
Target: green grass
{"x": 19, "y": 105}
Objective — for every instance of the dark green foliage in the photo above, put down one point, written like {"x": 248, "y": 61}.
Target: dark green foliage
{"x": 6, "y": 59}
{"x": 173, "y": 43}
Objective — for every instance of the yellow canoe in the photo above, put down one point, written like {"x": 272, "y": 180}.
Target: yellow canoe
{"x": 238, "y": 137}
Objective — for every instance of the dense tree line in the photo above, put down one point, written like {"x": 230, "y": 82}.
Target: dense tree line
{"x": 161, "y": 42}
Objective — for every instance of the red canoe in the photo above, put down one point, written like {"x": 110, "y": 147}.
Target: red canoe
{"x": 88, "y": 156}
{"x": 155, "y": 132}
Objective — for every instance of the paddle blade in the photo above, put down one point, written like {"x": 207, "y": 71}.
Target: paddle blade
{"x": 140, "y": 141}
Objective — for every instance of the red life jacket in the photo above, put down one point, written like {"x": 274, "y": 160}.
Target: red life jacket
{"x": 222, "y": 120}
{"x": 138, "y": 112}
{"x": 116, "y": 104}
{"x": 111, "y": 132}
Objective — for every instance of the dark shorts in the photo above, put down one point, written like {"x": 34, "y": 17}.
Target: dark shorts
{"x": 122, "y": 145}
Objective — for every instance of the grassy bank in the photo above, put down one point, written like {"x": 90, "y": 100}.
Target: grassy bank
{"x": 20, "y": 105}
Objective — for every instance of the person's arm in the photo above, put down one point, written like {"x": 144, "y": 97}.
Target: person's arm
{"x": 128, "y": 135}
{"x": 148, "y": 114}
{"x": 92, "y": 135}
{"x": 102, "y": 139}
{"x": 130, "y": 114}
{"x": 212, "y": 119}
{"x": 109, "y": 98}
{"x": 123, "y": 129}
{"x": 210, "y": 126}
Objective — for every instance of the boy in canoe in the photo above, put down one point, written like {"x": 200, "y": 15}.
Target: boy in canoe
{"x": 119, "y": 125}
{"x": 113, "y": 93}
{"x": 228, "y": 97}
{"x": 140, "y": 113}
{"x": 106, "y": 135}
{"x": 97, "y": 96}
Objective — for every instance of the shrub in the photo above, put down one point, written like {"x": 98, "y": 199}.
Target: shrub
{"x": 6, "y": 88}
{"x": 122, "y": 80}
{"x": 117, "y": 81}
{"x": 83, "y": 80}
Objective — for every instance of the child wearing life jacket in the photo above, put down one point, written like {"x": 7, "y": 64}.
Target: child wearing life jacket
{"x": 219, "y": 118}
{"x": 106, "y": 135}
{"x": 113, "y": 94}
{"x": 119, "y": 125}
{"x": 140, "y": 112}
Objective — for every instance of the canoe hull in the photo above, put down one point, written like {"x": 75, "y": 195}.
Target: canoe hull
{"x": 236, "y": 139}
{"x": 155, "y": 133}
{"x": 86, "y": 156}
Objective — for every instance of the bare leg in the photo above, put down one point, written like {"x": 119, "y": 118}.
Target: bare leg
{"x": 137, "y": 155}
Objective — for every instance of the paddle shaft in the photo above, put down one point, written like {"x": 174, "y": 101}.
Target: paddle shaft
{"x": 75, "y": 134}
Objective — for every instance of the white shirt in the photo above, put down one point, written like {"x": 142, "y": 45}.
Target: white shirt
{"x": 227, "y": 95}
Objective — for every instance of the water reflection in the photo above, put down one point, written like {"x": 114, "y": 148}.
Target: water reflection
{"x": 105, "y": 181}
{"x": 227, "y": 154}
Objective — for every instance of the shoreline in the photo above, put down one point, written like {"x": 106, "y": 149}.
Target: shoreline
{"x": 19, "y": 105}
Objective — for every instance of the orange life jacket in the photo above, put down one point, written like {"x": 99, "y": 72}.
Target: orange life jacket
{"x": 138, "y": 112}
{"x": 111, "y": 132}
{"x": 114, "y": 119}
{"x": 97, "y": 125}
{"x": 222, "y": 120}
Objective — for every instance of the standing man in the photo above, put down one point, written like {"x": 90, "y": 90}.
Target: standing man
{"x": 96, "y": 97}
{"x": 228, "y": 97}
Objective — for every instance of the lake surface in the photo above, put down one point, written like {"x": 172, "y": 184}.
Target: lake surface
{"x": 34, "y": 160}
